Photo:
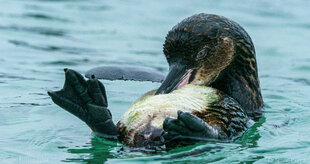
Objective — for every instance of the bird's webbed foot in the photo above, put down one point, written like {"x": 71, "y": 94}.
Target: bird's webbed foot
{"x": 188, "y": 128}
{"x": 86, "y": 100}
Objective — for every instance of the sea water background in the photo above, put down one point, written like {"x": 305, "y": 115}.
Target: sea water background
{"x": 38, "y": 38}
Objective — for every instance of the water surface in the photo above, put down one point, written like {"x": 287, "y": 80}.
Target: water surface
{"x": 41, "y": 37}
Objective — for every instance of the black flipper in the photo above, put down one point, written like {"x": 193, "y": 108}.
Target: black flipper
{"x": 231, "y": 120}
{"x": 188, "y": 127}
{"x": 126, "y": 73}
{"x": 86, "y": 100}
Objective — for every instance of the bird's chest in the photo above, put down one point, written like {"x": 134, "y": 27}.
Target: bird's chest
{"x": 148, "y": 113}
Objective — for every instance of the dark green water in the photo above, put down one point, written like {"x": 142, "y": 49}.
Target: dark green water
{"x": 38, "y": 38}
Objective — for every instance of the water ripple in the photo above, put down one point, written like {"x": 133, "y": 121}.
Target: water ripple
{"x": 37, "y": 30}
{"x": 15, "y": 77}
{"x": 45, "y": 17}
{"x": 64, "y": 49}
{"x": 66, "y": 63}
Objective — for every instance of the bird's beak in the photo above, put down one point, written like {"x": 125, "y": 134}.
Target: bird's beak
{"x": 178, "y": 76}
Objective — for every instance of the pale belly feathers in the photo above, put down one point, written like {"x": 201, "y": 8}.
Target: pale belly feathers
{"x": 151, "y": 110}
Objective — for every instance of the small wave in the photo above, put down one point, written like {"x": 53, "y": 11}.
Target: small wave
{"x": 38, "y": 30}
{"x": 66, "y": 63}
{"x": 152, "y": 53}
{"x": 153, "y": 38}
{"x": 95, "y": 7}
{"x": 17, "y": 105}
{"x": 44, "y": 17}
{"x": 3, "y": 75}
{"x": 68, "y": 50}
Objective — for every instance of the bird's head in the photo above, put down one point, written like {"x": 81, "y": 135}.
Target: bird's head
{"x": 213, "y": 51}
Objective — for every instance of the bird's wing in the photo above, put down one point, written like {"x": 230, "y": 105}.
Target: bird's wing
{"x": 126, "y": 73}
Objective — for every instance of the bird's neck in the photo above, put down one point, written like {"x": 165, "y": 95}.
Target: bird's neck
{"x": 243, "y": 86}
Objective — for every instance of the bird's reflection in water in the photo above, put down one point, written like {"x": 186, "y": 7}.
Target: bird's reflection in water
{"x": 250, "y": 138}
{"x": 100, "y": 150}
{"x": 97, "y": 151}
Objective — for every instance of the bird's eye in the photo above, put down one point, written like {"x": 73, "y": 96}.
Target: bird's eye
{"x": 201, "y": 54}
